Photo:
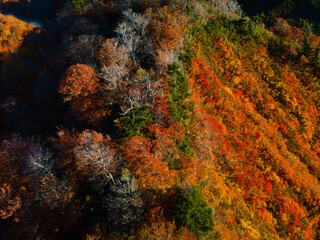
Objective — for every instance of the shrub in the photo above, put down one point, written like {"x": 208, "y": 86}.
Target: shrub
{"x": 137, "y": 119}
{"x": 192, "y": 212}
{"x": 179, "y": 92}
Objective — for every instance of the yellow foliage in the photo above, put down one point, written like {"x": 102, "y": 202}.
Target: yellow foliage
{"x": 12, "y": 34}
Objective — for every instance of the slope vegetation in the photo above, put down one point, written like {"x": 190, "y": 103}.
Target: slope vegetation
{"x": 161, "y": 120}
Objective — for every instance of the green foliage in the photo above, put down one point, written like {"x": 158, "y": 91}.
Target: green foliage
{"x": 305, "y": 26}
{"x": 82, "y": 6}
{"x": 179, "y": 92}
{"x": 184, "y": 145}
{"x": 306, "y": 48}
{"x": 259, "y": 18}
{"x": 192, "y": 211}
{"x": 224, "y": 27}
{"x": 316, "y": 57}
{"x": 276, "y": 47}
{"x": 187, "y": 54}
{"x": 245, "y": 27}
{"x": 188, "y": 9}
{"x": 135, "y": 121}
{"x": 78, "y": 4}
{"x": 284, "y": 7}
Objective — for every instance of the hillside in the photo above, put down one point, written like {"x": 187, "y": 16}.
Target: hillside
{"x": 161, "y": 120}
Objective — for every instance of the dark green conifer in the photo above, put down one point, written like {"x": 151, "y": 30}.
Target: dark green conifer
{"x": 316, "y": 57}
{"x": 307, "y": 49}
{"x": 192, "y": 212}
{"x": 180, "y": 90}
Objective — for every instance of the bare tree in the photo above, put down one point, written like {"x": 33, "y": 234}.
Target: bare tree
{"x": 128, "y": 37}
{"x": 84, "y": 49}
{"x": 96, "y": 158}
{"x": 114, "y": 62}
{"x": 137, "y": 21}
{"x": 123, "y": 204}
{"x": 39, "y": 162}
{"x": 227, "y": 7}
{"x": 47, "y": 187}
{"x": 165, "y": 56}
{"x": 120, "y": 56}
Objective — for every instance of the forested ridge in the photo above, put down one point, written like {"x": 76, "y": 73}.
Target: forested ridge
{"x": 159, "y": 119}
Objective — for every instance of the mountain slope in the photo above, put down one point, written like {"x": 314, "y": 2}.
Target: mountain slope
{"x": 161, "y": 120}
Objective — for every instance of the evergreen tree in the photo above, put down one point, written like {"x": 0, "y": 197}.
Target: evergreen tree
{"x": 316, "y": 57}
{"x": 307, "y": 49}
{"x": 192, "y": 212}
{"x": 137, "y": 119}
{"x": 178, "y": 93}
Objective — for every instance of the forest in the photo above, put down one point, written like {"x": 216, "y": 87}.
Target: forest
{"x": 159, "y": 119}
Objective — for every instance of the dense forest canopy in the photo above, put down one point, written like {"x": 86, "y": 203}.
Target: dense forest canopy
{"x": 159, "y": 119}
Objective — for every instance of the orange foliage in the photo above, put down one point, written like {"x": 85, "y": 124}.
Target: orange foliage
{"x": 167, "y": 31}
{"x": 288, "y": 32}
{"x": 151, "y": 170}
{"x": 314, "y": 41}
{"x": 90, "y": 109}
{"x": 251, "y": 143}
{"x": 89, "y": 153}
{"x": 168, "y": 230}
{"x": 159, "y": 219}
{"x": 114, "y": 62}
{"x": 79, "y": 80}
{"x": 81, "y": 86}
{"x": 8, "y": 203}
{"x": 250, "y": 102}
{"x": 12, "y": 34}
{"x": 166, "y": 28}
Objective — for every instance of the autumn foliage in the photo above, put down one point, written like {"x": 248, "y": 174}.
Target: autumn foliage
{"x": 183, "y": 121}
{"x": 12, "y": 34}
{"x": 81, "y": 87}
